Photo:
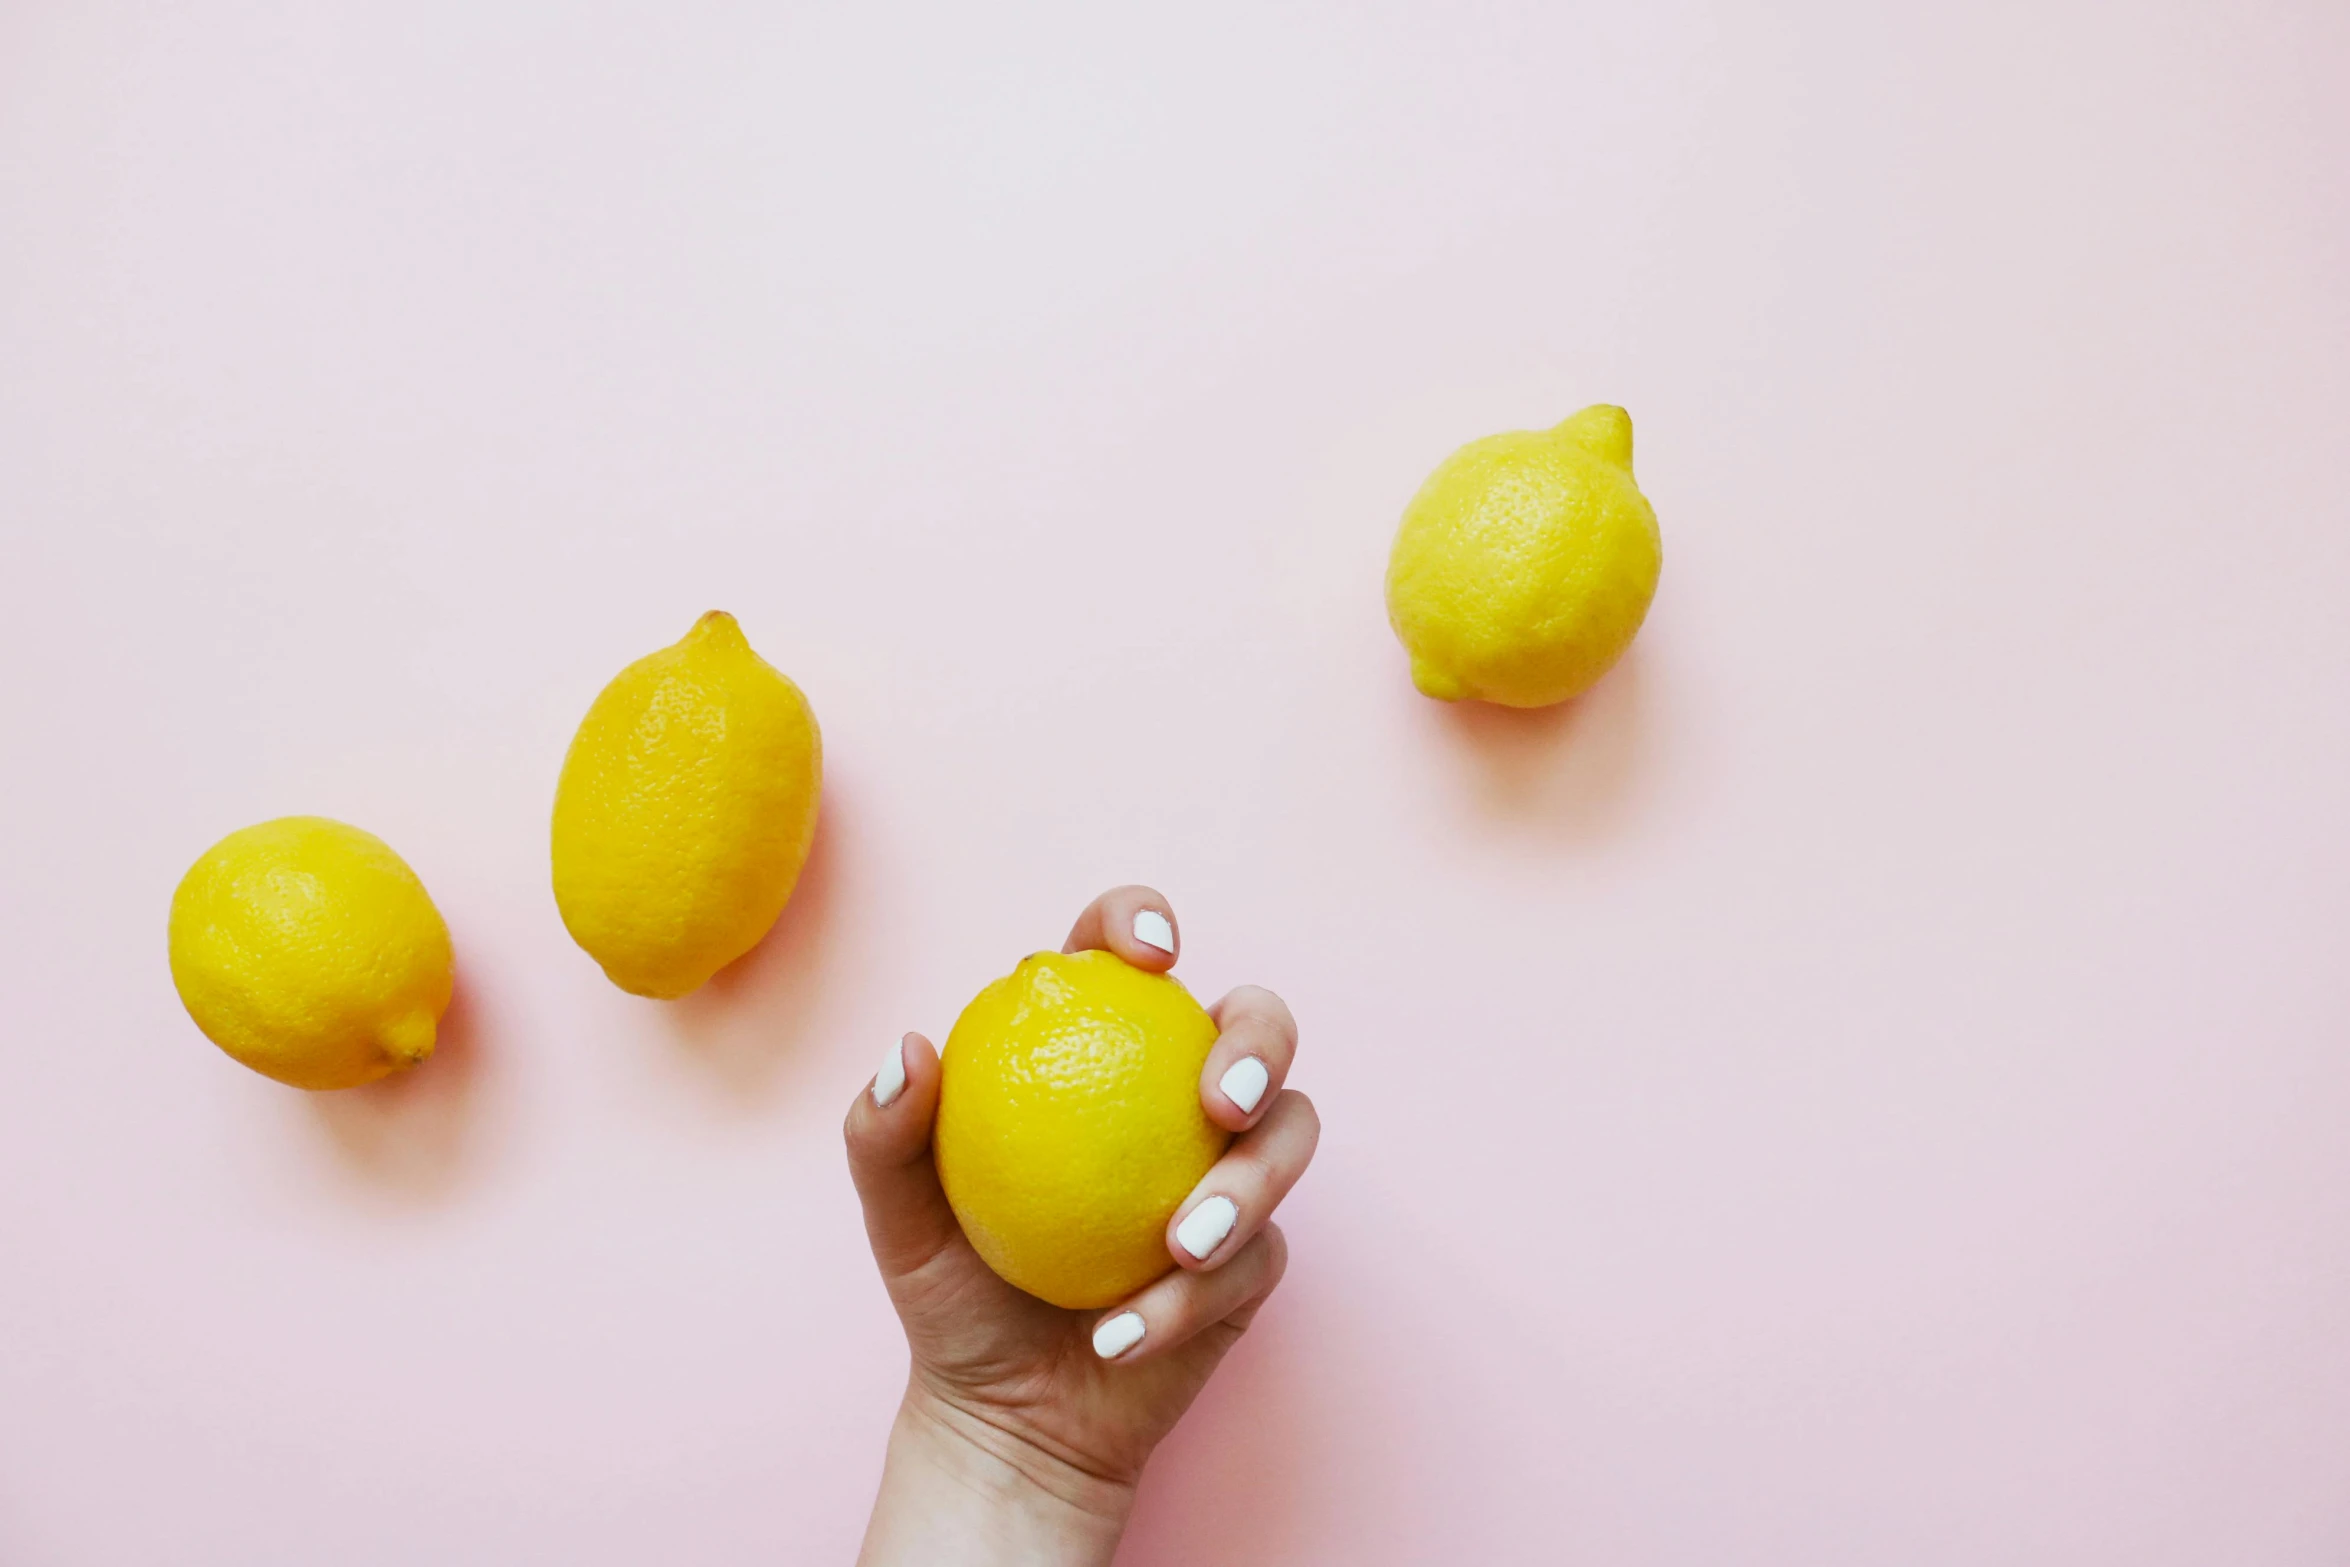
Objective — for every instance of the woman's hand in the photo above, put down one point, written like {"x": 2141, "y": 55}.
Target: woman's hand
{"x": 1025, "y": 1427}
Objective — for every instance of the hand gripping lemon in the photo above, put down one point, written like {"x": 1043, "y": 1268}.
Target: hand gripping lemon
{"x": 1525, "y": 564}
{"x": 1069, "y": 1123}
{"x": 309, "y": 951}
{"x": 685, "y": 811}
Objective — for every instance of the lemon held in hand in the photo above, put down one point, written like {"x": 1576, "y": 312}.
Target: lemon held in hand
{"x": 309, "y": 951}
{"x": 1069, "y": 1123}
{"x": 685, "y": 811}
{"x": 1526, "y": 563}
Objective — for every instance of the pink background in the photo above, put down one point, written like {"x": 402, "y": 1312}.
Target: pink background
{"x": 1868, "y": 1085}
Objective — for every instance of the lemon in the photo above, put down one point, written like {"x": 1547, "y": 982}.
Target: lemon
{"x": 1526, "y": 563}
{"x": 309, "y": 951}
{"x": 685, "y": 810}
{"x": 1069, "y": 1123}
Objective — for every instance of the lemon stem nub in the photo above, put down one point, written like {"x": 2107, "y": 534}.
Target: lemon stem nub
{"x": 410, "y": 1040}
{"x": 1436, "y": 683}
{"x": 1603, "y": 430}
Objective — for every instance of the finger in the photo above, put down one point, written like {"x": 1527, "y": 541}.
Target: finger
{"x": 888, "y": 1133}
{"x": 1250, "y": 1062}
{"x": 1235, "y": 1198}
{"x": 1134, "y": 922}
{"x": 1180, "y": 1306}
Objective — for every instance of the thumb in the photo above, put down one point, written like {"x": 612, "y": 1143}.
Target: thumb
{"x": 907, "y": 1219}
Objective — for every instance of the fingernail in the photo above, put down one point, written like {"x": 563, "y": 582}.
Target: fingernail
{"x": 890, "y": 1081}
{"x": 1244, "y": 1082}
{"x": 1117, "y": 1334}
{"x": 1204, "y": 1228}
{"x": 1152, "y": 930}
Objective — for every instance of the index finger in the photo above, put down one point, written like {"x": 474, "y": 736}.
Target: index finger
{"x": 1136, "y": 923}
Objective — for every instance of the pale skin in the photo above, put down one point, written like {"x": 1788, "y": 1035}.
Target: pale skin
{"x": 1019, "y": 1439}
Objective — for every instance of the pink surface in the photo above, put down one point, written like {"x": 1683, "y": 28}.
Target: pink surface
{"x": 1866, "y": 1086}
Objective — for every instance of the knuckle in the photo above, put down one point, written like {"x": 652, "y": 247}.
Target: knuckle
{"x": 1276, "y": 1254}
{"x": 1270, "y": 1004}
{"x": 1272, "y": 1033}
{"x": 1277, "y": 1013}
{"x": 1184, "y": 1309}
{"x": 1252, "y": 1175}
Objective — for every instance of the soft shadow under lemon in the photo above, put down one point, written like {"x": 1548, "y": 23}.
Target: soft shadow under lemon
{"x": 415, "y": 1134}
{"x": 1573, "y": 770}
{"x": 753, "y": 1020}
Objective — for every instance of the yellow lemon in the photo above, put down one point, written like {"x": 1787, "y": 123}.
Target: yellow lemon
{"x": 1069, "y": 1123}
{"x": 1525, "y": 564}
{"x": 309, "y": 951}
{"x": 685, "y": 811}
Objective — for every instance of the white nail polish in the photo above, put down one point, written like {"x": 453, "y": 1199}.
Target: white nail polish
{"x": 1204, "y": 1228}
{"x": 1152, "y": 930}
{"x": 1244, "y": 1082}
{"x": 1117, "y": 1335}
{"x": 890, "y": 1081}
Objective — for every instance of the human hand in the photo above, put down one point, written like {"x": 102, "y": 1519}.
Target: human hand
{"x": 1025, "y": 1427}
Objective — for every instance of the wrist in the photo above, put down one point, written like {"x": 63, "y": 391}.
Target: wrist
{"x": 958, "y": 1490}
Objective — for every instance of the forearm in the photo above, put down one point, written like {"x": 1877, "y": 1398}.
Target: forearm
{"x": 956, "y": 1492}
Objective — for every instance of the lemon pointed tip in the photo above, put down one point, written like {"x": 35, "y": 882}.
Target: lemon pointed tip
{"x": 411, "y": 1039}
{"x": 1602, "y": 429}
{"x": 651, "y": 986}
{"x": 1434, "y": 682}
{"x": 718, "y": 624}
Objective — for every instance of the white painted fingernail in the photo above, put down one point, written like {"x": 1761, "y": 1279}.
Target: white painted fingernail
{"x": 1204, "y": 1228}
{"x": 1244, "y": 1082}
{"x": 1117, "y": 1334}
{"x": 890, "y": 1081}
{"x": 1152, "y": 930}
